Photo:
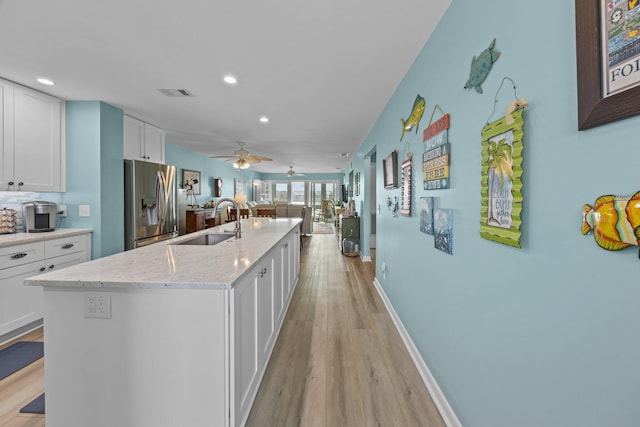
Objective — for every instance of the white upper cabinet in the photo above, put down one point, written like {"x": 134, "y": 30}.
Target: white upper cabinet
{"x": 32, "y": 148}
{"x": 143, "y": 141}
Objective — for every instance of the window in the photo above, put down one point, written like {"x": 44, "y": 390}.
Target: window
{"x": 304, "y": 192}
{"x": 297, "y": 193}
{"x": 281, "y": 192}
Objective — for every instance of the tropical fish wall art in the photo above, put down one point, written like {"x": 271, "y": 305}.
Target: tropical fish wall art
{"x": 614, "y": 220}
{"x": 480, "y": 67}
{"x": 414, "y": 117}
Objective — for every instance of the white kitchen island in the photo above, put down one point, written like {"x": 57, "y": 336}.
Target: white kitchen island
{"x": 186, "y": 335}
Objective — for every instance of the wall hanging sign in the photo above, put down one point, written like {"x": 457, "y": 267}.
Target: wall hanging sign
{"x": 501, "y": 184}
{"x": 390, "y": 170}
{"x": 405, "y": 199}
{"x": 614, "y": 220}
{"x": 435, "y": 159}
{"x": 443, "y": 230}
{"x": 480, "y": 67}
{"x": 607, "y": 55}
{"x": 414, "y": 116}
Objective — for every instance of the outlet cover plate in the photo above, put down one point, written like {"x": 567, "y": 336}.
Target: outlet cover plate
{"x": 97, "y": 305}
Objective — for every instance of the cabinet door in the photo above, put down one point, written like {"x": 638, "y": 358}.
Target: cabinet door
{"x": 38, "y": 161}
{"x": 19, "y": 304}
{"x": 154, "y": 143}
{"x": 266, "y": 311}
{"x": 6, "y": 134}
{"x": 133, "y": 139}
{"x": 278, "y": 287}
{"x": 245, "y": 347}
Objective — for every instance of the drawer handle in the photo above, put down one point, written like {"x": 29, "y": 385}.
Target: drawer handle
{"x": 51, "y": 267}
{"x": 42, "y": 269}
{"x": 18, "y": 256}
{"x": 67, "y": 246}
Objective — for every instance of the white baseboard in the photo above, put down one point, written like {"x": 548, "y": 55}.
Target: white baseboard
{"x": 449, "y": 417}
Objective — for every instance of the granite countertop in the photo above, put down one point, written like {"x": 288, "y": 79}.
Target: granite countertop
{"x": 22, "y": 237}
{"x": 164, "y": 265}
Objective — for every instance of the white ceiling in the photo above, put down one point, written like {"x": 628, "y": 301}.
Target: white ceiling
{"x": 321, "y": 71}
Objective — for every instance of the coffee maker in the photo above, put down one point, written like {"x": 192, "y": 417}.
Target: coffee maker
{"x": 39, "y": 216}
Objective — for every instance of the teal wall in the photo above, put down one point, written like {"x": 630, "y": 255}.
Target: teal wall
{"x": 94, "y": 173}
{"x": 209, "y": 169}
{"x": 545, "y": 335}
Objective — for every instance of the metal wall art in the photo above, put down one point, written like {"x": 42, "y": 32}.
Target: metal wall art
{"x": 614, "y": 220}
{"x": 480, "y": 67}
{"x": 414, "y": 117}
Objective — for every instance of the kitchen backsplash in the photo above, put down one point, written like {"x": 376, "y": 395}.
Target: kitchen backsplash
{"x": 14, "y": 199}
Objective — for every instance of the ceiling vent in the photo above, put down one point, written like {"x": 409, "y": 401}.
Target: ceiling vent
{"x": 176, "y": 92}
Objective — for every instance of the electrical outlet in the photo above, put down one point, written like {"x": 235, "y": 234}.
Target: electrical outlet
{"x": 62, "y": 211}
{"x": 84, "y": 210}
{"x": 97, "y": 304}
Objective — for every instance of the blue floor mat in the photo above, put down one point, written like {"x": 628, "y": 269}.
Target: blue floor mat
{"x": 35, "y": 407}
{"x": 19, "y": 355}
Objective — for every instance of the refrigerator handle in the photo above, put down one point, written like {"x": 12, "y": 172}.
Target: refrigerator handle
{"x": 161, "y": 196}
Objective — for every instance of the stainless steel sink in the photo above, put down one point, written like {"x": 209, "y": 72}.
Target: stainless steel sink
{"x": 207, "y": 239}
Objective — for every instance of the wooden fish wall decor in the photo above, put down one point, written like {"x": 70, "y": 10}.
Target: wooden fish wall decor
{"x": 480, "y": 67}
{"x": 414, "y": 117}
{"x": 614, "y": 220}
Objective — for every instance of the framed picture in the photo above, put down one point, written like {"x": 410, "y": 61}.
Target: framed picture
{"x": 357, "y": 184}
{"x": 240, "y": 187}
{"x": 390, "y": 168}
{"x": 192, "y": 178}
{"x": 501, "y": 182}
{"x": 405, "y": 199}
{"x": 607, "y": 46}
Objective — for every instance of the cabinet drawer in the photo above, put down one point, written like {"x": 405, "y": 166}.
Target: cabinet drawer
{"x": 64, "y": 246}
{"x": 56, "y": 263}
{"x": 21, "y": 254}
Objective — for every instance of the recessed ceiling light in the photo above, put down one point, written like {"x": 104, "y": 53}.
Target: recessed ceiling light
{"x": 45, "y": 81}
{"x": 230, "y": 80}
{"x": 264, "y": 119}
{"x": 344, "y": 154}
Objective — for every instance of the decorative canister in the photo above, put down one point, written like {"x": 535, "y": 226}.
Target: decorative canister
{"x": 350, "y": 245}
{"x": 8, "y": 221}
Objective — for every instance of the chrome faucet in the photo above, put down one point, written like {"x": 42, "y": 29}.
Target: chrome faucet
{"x": 238, "y": 229}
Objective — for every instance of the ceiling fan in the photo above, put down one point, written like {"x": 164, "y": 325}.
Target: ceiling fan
{"x": 241, "y": 158}
{"x": 291, "y": 172}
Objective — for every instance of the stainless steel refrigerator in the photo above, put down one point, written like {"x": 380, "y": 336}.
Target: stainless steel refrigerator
{"x": 150, "y": 192}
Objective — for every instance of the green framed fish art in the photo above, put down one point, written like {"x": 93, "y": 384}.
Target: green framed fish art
{"x": 501, "y": 183}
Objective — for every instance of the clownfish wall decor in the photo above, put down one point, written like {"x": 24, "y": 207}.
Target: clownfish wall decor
{"x": 614, "y": 220}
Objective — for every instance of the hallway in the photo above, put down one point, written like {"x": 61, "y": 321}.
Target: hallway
{"x": 339, "y": 360}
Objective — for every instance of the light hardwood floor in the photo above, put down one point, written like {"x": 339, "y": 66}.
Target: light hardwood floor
{"x": 338, "y": 361}
{"x": 22, "y": 387}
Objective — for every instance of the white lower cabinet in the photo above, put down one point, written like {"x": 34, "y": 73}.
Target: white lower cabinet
{"x": 20, "y": 304}
{"x": 259, "y": 303}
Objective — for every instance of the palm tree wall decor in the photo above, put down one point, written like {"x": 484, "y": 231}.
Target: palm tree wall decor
{"x": 501, "y": 183}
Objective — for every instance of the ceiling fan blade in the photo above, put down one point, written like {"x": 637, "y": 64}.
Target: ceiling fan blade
{"x": 260, "y": 158}
{"x": 222, "y": 157}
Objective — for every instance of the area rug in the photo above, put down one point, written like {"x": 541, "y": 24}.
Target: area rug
{"x": 322, "y": 228}
{"x": 19, "y": 355}
{"x": 35, "y": 407}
